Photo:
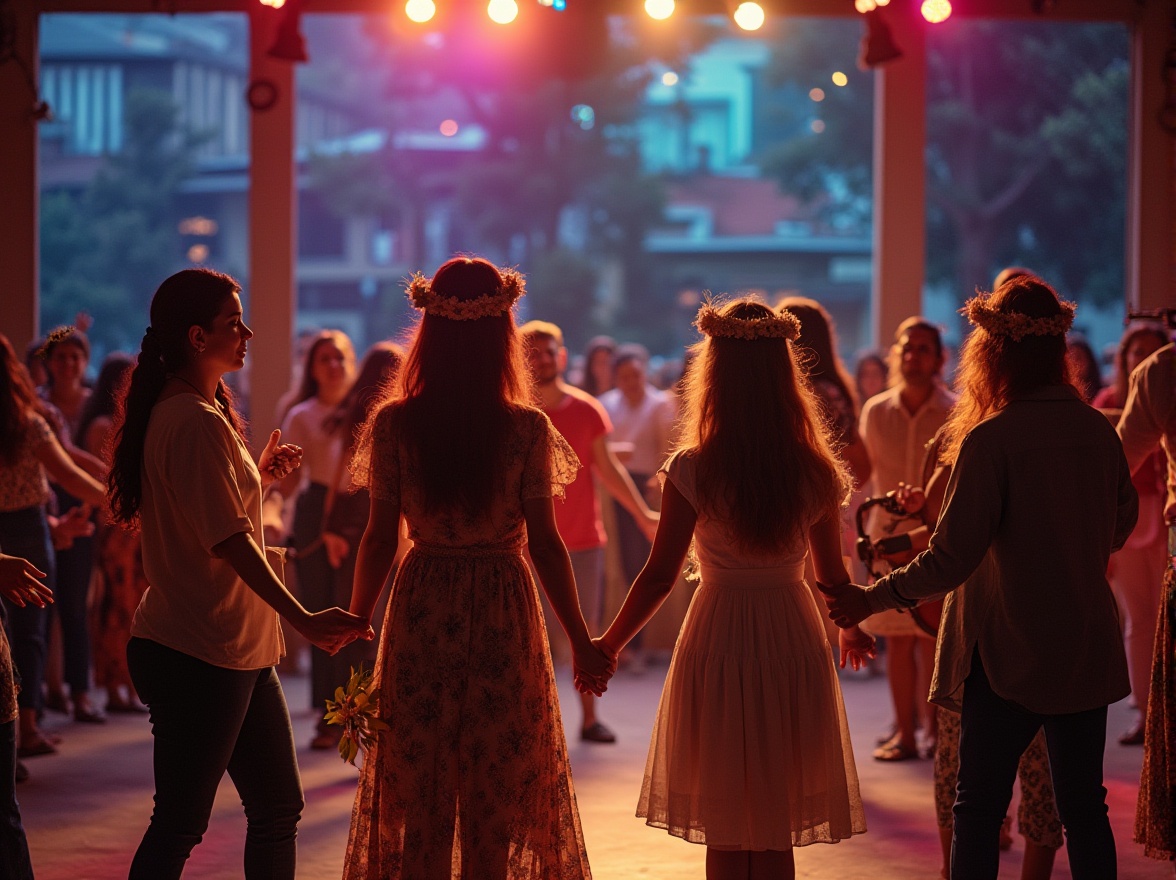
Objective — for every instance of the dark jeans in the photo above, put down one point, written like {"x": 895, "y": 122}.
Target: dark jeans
{"x": 993, "y": 735}
{"x": 206, "y": 720}
{"x": 26, "y": 533}
{"x": 14, "y": 849}
{"x": 74, "y": 567}
{"x": 316, "y": 589}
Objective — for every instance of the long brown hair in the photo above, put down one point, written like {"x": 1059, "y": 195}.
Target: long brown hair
{"x": 18, "y": 402}
{"x": 460, "y": 385}
{"x": 995, "y": 368}
{"x": 309, "y": 386}
{"x": 816, "y": 346}
{"x": 191, "y": 297}
{"x": 375, "y": 381}
{"x": 764, "y": 458}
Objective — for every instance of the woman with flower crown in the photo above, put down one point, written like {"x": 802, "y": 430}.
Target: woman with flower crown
{"x": 1039, "y": 496}
{"x": 750, "y": 753}
{"x": 472, "y": 779}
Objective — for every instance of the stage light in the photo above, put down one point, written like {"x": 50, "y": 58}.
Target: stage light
{"x": 502, "y": 11}
{"x": 659, "y": 9}
{"x": 840, "y": 79}
{"x": 420, "y": 11}
{"x": 749, "y": 16}
{"x": 936, "y": 11}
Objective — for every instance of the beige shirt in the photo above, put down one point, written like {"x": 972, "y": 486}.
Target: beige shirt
{"x": 648, "y": 426}
{"x": 1039, "y": 498}
{"x": 896, "y": 440}
{"x": 200, "y": 486}
{"x": 320, "y": 450}
{"x": 1149, "y": 417}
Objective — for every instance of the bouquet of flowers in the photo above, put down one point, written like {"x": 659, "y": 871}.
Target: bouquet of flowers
{"x": 356, "y": 709}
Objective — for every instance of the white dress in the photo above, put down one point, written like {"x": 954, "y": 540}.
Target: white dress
{"x": 750, "y": 747}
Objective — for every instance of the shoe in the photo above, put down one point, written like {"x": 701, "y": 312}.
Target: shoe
{"x": 56, "y": 701}
{"x": 597, "y": 733}
{"x": 895, "y": 752}
{"x": 89, "y": 716}
{"x": 22, "y": 772}
{"x": 127, "y": 707}
{"x": 324, "y": 740}
{"x": 1133, "y": 737}
{"x": 35, "y": 746}
{"x": 888, "y": 738}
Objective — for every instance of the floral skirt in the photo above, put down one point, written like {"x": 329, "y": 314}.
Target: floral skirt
{"x": 1155, "y": 815}
{"x": 472, "y": 780}
{"x": 751, "y": 747}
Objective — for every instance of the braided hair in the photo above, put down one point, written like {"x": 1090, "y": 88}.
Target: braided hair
{"x": 192, "y": 297}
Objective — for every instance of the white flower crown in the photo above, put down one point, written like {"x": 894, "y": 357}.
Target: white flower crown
{"x": 421, "y": 294}
{"x": 780, "y": 325}
{"x": 1016, "y": 324}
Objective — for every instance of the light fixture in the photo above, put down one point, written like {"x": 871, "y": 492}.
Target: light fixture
{"x": 659, "y": 9}
{"x": 878, "y": 44}
{"x": 864, "y": 6}
{"x": 839, "y": 78}
{"x": 817, "y": 95}
{"x": 449, "y": 128}
{"x": 749, "y": 16}
{"x": 936, "y": 11}
{"x": 275, "y": 4}
{"x": 669, "y": 78}
{"x": 502, "y": 11}
{"x": 420, "y": 11}
{"x": 289, "y": 44}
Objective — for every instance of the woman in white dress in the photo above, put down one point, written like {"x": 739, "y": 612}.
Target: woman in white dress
{"x": 750, "y": 753}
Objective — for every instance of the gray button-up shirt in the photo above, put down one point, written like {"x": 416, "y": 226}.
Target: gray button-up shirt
{"x": 1039, "y": 498}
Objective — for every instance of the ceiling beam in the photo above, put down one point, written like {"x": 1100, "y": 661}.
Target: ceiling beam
{"x": 1128, "y": 11}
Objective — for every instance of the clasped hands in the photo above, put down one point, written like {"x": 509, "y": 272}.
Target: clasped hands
{"x": 334, "y": 629}
{"x": 278, "y": 460}
{"x": 847, "y": 604}
{"x": 593, "y": 664}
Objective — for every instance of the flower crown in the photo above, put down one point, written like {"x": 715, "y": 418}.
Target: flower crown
{"x": 57, "y": 335}
{"x": 421, "y": 294}
{"x": 781, "y": 325}
{"x": 1016, "y": 324}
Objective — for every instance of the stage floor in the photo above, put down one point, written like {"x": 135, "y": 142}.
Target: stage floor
{"x": 85, "y": 808}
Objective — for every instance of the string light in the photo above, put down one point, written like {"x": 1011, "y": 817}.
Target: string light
{"x": 502, "y": 11}
{"x": 659, "y": 9}
{"x": 936, "y": 11}
{"x": 420, "y": 11}
{"x": 749, "y": 16}
{"x": 840, "y": 79}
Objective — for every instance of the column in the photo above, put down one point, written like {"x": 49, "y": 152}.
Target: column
{"x": 273, "y": 224}
{"x": 900, "y": 208}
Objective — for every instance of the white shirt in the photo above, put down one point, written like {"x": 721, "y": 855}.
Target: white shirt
{"x": 647, "y": 426}
{"x": 320, "y": 451}
{"x": 1149, "y": 417}
{"x": 200, "y": 486}
{"x": 896, "y": 440}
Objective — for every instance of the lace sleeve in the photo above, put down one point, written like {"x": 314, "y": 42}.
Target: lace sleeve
{"x": 551, "y": 464}
{"x": 375, "y": 465}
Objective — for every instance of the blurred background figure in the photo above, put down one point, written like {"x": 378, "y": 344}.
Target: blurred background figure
{"x": 870, "y": 375}
{"x": 598, "y": 365}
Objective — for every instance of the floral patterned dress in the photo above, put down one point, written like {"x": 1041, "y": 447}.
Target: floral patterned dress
{"x": 472, "y": 780}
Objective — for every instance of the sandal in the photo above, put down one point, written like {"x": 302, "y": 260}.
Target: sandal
{"x": 35, "y": 746}
{"x": 597, "y": 733}
{"x": 895, "y": 752}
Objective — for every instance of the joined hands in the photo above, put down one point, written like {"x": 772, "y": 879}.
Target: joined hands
{"x": 592, "y": 667}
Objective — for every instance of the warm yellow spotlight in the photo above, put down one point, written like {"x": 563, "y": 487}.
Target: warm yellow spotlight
{"x": 864, "y": 6}
{"x": 420, "y": 11}
{"x": 659, "y": 9}
{"x": 749, "y": 16}
{"x": 817, "y": 94}
{"x": 669, "y": 78}
{"x": 502, "y": 11}
{"x": 882, "y": 2}
{"x": 936, "y": 11}
{"x": 840, "y": 79}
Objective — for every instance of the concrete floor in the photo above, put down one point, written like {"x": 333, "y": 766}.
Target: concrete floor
{"x": 85, "y": 808}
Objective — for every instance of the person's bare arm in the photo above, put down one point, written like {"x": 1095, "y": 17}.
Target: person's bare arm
{"x": 621, "y": 486}
{"x": 376, "y": 554}
{"x": 68, "y": 475}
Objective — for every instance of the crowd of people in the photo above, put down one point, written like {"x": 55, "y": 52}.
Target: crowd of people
{"x": 447, "y": 521}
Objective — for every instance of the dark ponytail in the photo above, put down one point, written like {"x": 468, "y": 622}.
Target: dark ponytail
{"x": 192, "y": 297}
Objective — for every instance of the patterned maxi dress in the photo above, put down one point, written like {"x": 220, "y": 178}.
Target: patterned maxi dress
{"x": 472, "y": 781}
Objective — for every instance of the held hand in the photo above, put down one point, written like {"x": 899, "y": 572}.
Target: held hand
{"x": 278, "y": 460}
{"x": 20, "y": 582}
{"x": 74, "y": 524}
{"x": 337, "y": 549}
{"x": 592, "y": 668}
{"x": 334, "y": 629}
{"x": 912, "y": 498}
{"x": 847, "y": 604}
{"x": 856, "y": 647}
{"x": 648, "y": 523}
